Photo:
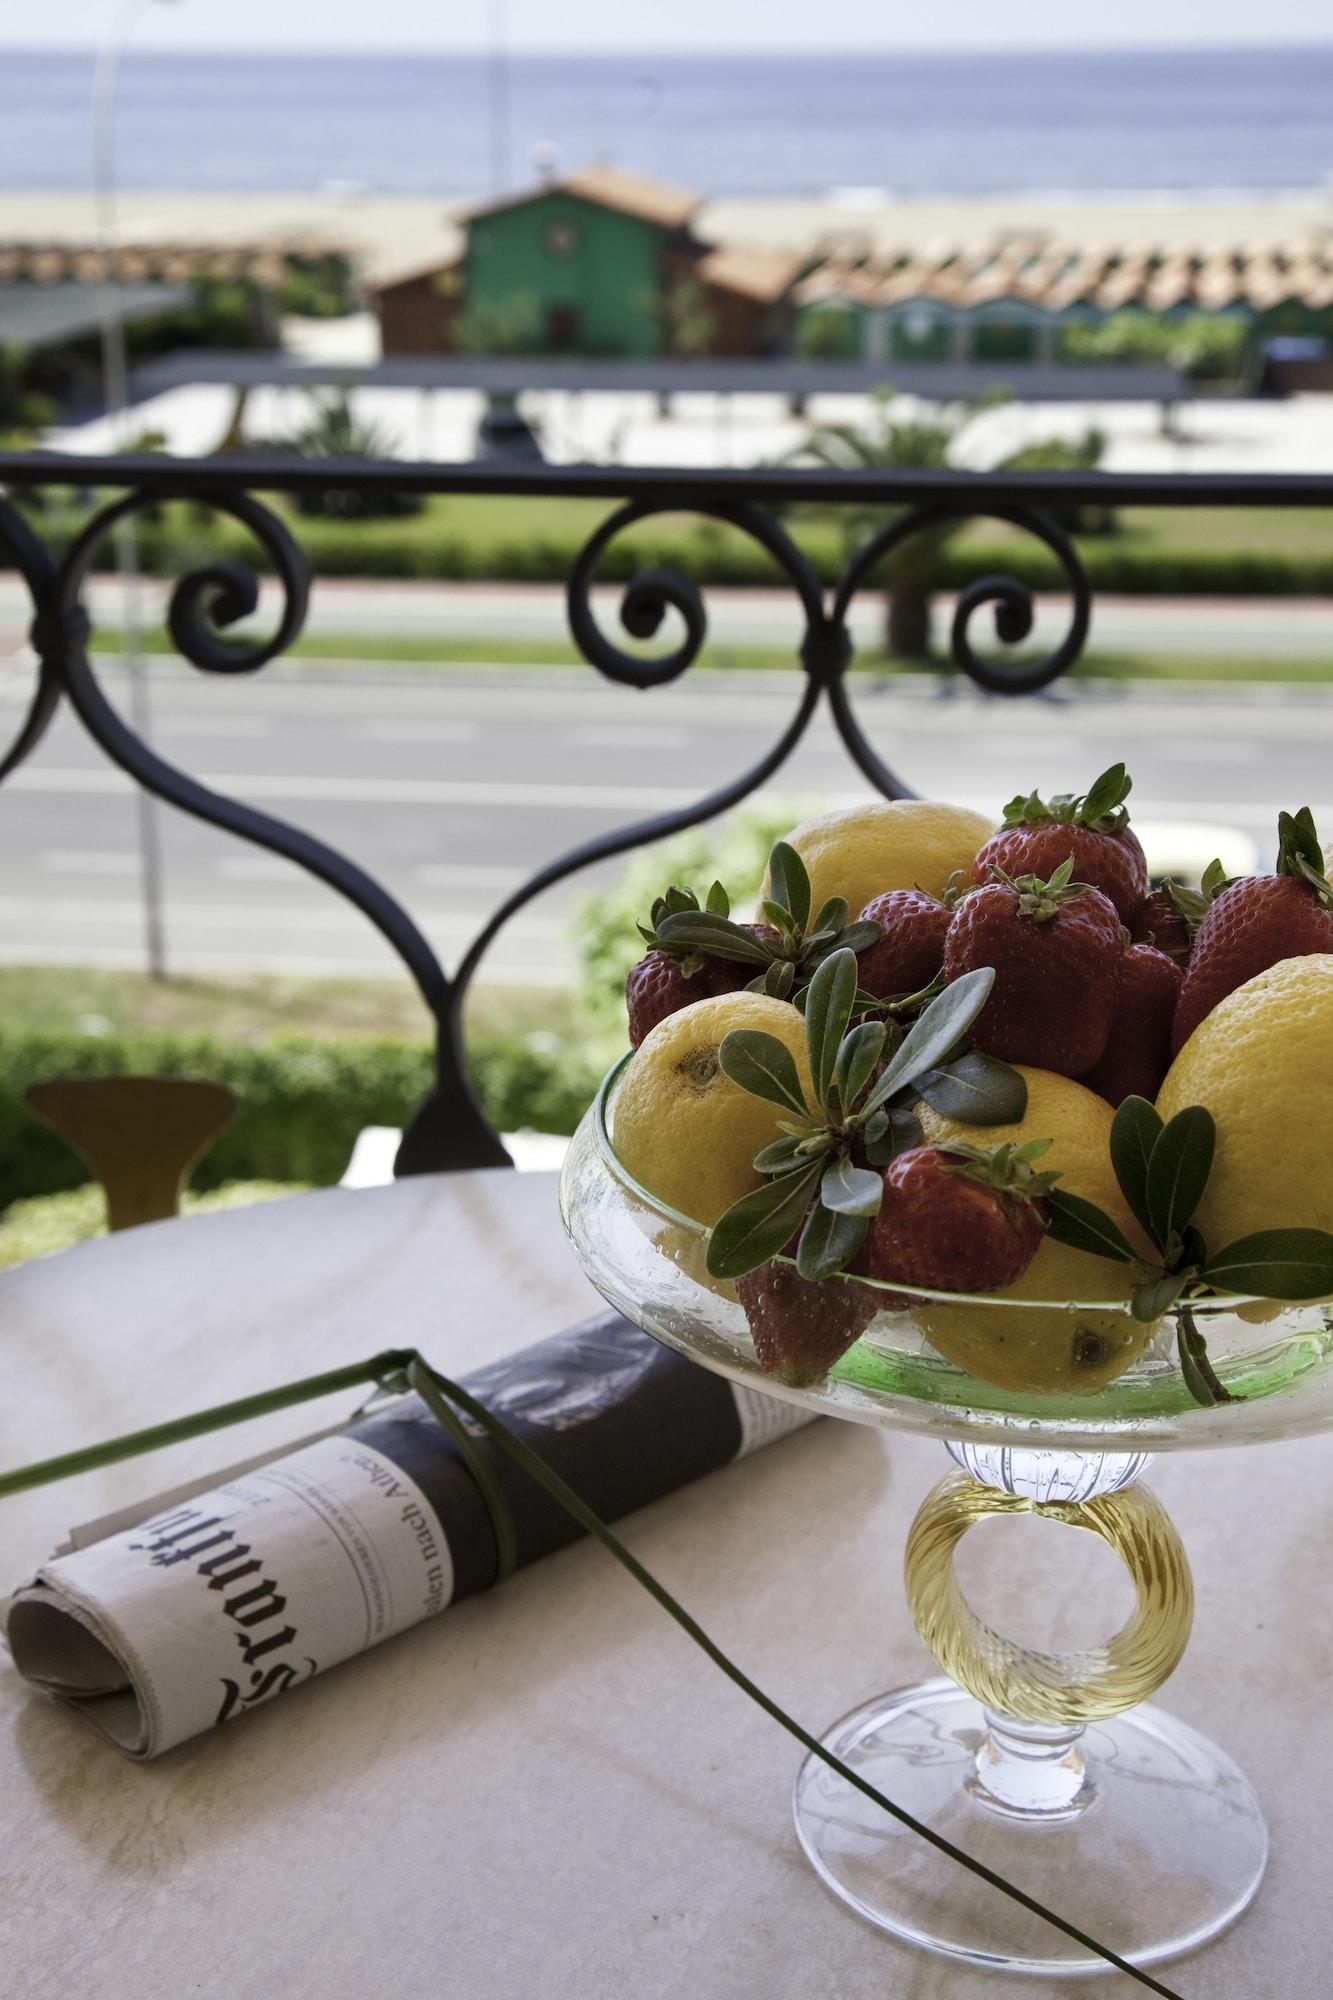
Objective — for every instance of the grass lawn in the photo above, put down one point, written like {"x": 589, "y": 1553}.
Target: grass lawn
{"x": 369, "y": 649}
{"x": 252, "y": 1006}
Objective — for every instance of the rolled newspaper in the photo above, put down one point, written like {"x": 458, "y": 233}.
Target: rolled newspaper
{"x": 163, "y": 1621}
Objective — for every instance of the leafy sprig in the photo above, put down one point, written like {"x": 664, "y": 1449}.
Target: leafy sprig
{"x": 799, "y": 941}
{"x": 863, "y": 1080}
{"x": 1101, "y": 808}
{"x": 1163, "y": 1170}
{"x": 678, "y": 902}
{"x": 1299, "y": 853}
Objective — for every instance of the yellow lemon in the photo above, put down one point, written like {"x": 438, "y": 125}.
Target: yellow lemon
{"x": 1056, "y": 1352}
{"x": 1262, "y": 1063}
{"x": 685, "y": 1131}
{"x": 889, "y": 844}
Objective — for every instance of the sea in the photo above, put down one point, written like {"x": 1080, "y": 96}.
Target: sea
{"x": 1222, "y": 119}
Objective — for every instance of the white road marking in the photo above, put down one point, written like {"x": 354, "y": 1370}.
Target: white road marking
{"x": 420, "y": 730}
{"x": 93, "y": 861}
{"x": 330, "y": 914}
{"x": 247, "y": 728}
{"x": 465, "y": 875}
{"x": 627, "y": 736}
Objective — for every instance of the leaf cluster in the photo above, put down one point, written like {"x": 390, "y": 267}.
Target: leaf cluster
{"x": 824, "y": 1173}
{"x": 799, "y": 941}
{"x": 1101, "y": 808}
{"x": 1163, "y": 1170}
{"x": 1299, "y": 853}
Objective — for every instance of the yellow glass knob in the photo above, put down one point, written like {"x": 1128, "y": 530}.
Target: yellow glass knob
{"x": 1052, "y": 1687}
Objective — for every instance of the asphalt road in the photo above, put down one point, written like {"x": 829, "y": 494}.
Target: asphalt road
{"x": 451, "y": 788}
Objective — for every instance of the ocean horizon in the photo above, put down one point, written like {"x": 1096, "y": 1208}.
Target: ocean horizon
{"x": 1091, "y": 122}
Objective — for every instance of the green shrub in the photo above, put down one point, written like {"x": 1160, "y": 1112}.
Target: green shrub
{"x": 301, "y": 1102}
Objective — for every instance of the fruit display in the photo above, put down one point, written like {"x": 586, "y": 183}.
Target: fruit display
{"x": 941, "y": 1058}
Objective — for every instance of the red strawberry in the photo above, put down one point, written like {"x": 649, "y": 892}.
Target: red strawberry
{"x": 1056, "y": 948}
{"x": 658, "y": 986}
{"x": 1091, "y": 828}
{"x": 957, "y": 1218}
{"x": 1138, "y": 1054}
{"x": 800, "y": 1329}
{"x": 910, "y": 948}
{"x": 1157, "y": 922}
{"x": 1170, "y": 916}
{"x": 1256, "y": 922}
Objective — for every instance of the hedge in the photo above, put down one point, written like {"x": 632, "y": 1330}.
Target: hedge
{"x": 427, "y": 549}
{"x": 301, "y": 1102}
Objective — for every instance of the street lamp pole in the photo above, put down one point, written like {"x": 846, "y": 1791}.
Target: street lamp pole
{"x": 115, "y": 389}
{"x": 497, "y": 61}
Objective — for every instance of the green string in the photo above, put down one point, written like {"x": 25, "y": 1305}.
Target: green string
{"x": 438, "y": 1392}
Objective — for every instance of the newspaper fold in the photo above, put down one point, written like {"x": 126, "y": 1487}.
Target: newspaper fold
{"x": 163, "y": 1621}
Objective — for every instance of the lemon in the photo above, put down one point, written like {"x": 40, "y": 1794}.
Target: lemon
{"x": 1262, "y": 1063}
{"x": 685, "y": 1131}
{"x": 890, "y": 844}
{"x": 1048, "y": 1353}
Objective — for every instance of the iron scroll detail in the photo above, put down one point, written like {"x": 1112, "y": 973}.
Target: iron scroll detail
{"x": 211, "y": 600}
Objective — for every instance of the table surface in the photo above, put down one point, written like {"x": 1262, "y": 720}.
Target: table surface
{"x": 548, "y": 1788}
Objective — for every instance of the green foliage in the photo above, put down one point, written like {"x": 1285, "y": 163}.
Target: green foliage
{"x": 1203, "y": 347}
{"x": 828, "y": 332}
{"x": 507, "y": 326}
{"x": 301, "y": 1102}
{"x": 333, "y": 431}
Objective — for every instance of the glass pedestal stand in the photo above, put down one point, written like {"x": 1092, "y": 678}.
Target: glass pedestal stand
{"x": 1043, "y": 1766}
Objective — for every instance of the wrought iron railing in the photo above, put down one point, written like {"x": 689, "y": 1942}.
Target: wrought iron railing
{"x": 449, "y": 1130}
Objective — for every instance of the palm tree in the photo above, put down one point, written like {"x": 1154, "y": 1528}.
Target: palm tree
{"x": 886, "y": 442}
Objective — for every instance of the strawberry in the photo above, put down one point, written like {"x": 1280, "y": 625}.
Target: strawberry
{"x": 1257, "y": 921}
{"x": 1138, "y": 1054}
{"x": 1169, "y": 917}
{"x": 1056, "y": 948}
{"x": 1091, "y": 828}
{"x": 657, "y": 986}
{"x": 910, "y": 949}
{"x": 1158, "y": 923}
{"x": 957, "y": 1218}
{"x": 800, "y": 1329}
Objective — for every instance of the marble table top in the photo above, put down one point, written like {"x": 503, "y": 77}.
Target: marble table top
{"x": 548, "y": 1789}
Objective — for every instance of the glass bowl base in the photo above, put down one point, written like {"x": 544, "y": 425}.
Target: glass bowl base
{"x": 1166, "y": 1849}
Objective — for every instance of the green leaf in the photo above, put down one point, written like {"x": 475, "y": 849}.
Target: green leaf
{"x": 1275, "y": 1264}
{"x": 1157, "y": 1295}
{"x": 858, "y": 936}
{"x": 698, "y": 931}
{"x": 762, "y": 1065}
{"x": 719, "y": 902}
{"x": 857, "y": 1056}
{"x": 828, "y": 1009}
{"x": 1135, "y": 1130}
{"x": 758, "y": 1226}
{"x": 975, "y": 1088}
{"x": 828, "y": 1242}
{"x": 935, "y": 1034}
{"x": 1178, "y": 1169}
{"x": 902, "y": 1130}
{"x": 1105, "y": 794}
{"x": 1084, "y": 1226}
{"x": 780, "y": 1156}
{"x": 789, "y": 883}
{"x": 831, "y": 916}
{"x": 850, "y": 1190}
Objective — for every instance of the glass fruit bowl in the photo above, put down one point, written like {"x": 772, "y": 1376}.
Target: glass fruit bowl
{"x": 1047, "y": 1768}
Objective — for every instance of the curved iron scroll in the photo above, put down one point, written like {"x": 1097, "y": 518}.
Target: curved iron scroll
{"x": 450, "y": 1130}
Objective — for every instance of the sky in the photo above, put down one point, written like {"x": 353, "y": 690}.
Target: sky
{"x": 684, "y": 27}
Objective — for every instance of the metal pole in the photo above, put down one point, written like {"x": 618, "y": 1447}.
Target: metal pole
{"x": 115, "y": 385}
{"x": 497, "y": 59}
